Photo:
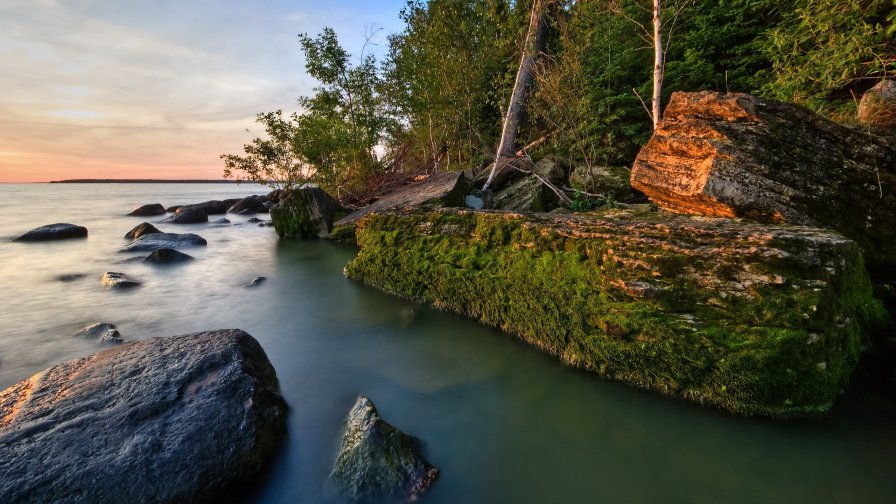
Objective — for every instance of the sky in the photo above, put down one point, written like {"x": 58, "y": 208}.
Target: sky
{"x": 155, "y": 88}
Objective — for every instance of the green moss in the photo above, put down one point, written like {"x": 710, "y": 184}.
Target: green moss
{"x": 343, "y": 233}
{"x": 635, "y": 309}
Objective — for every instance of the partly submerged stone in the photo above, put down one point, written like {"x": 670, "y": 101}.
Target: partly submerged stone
{"x": 756, "y": 319}
{"x": 156, "y": 241}
{"x": 305, "y": 212}
{"x": 188, "y": 215}
{"x": 148, "y": 210}
{"x": 103, "y": 332}
{"x": 141, "y": 229}
{"x": 117, "y": 280}
{"x": 60, "y": 231}
{"x": 377, "y": 461}
{"x": 435, "y": 191}
{"x": 250, "y": 205}
{"x": 736, "y": 155}
{"x": 165, "y": 420}
{"x": 167, "y": 256}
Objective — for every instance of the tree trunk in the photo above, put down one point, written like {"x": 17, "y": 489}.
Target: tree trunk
{"x": 658, "y": 64}
{"x": 534, "y": 44}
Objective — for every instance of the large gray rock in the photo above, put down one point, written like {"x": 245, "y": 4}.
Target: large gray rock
{"x": 378, "y": 461}
{"x": 141, "y": 229}
{"x": 60, "y": 231}
{"x": 522, "y": 186}
{"x": 148, "y": 210}
{"x": 305, "y": 212}
{"x": 185, "y": 419}
{"x": 156, "y": 241}
{"x": 103, "y": 332}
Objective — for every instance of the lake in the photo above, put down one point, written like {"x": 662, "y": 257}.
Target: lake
{"x": 503, "y": 422}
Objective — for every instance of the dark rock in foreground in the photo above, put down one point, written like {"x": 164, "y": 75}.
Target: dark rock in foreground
{"x": 756, "y": 319}
{"x": 149, "y": 210}
{"x": 156, "y": 241}
{"x": 103, "y": 332}
{"x": 378, "y": 461}
{"x": 167, "y": 256}
{"x": 736, "y": 155}
{"x": 185, "y": 419}
{"x": 305, "y": 212}
{"x": 116, "y": 280}
{"x": 60, "y": 231}
{"x": 144, "y": 228}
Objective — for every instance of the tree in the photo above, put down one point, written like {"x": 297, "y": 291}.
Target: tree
{"x": 272, "y": 161}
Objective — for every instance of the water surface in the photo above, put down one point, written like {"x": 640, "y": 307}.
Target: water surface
{"x": 503, "y": 422}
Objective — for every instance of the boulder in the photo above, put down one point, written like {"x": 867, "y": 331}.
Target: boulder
{"x": 116, "y": 280}
{"x": 140, "y": 230}
{"x": 435, "y": 191}
{"x": 156, "y": 241}
{"x": 877, "y": 108}
{"x": 753, "y": 318}
{"x": 167, "y": 256}
{"x": 60, "y": 231}
{"x": 377, "y": 461}
{"x": 521, "y": 186}
{"x": 736, "y": 155}
{"x": 188, "y": 215}
{"x": 306, "y": 212}
{"x": 611, "y": 182}
{"x": 149, "y": 210}
{"x": 250, "y": 205}
{"x": 213, "y": 207}
{"x": 185, "y": 419}
{"x": 103, "y": 332}
{"x": 173, "y": 208}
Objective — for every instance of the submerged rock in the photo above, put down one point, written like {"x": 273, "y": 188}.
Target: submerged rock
{"x": 256, "y": 281}
{"x": 188, "y": 215}
{"x": 116, "y": 280}
{"x": 70, "y": 277}
{"x": 149, "y": 210}
{"x": 716, "y": 311}
{"x": 378, "y": 461}
{"x": 144, "y": 228}
{"x": 167, "y": 256}
{"x": 305, "y": 212}
{"x": 156, "y": 241}
{"x": 223, "y": 221}
{"x": 249, "y": 205}
{"x": 60, "y": 231}
{"x": 736, "y": 155}
{"x": 181, "y": 419}
{"x": 103, "y": 332}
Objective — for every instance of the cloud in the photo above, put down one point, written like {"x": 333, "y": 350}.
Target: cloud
{"x": 106, "y": 86}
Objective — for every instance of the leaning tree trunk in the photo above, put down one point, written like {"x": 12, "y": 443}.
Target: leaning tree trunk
{"x": 534, "y": 45}
{"x": 657, "y": 64}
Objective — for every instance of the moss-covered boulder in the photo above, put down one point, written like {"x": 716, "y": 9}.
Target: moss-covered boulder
{"x": 305, "y": 212}
{"x": 378, "y": 461}
{"x": 756, "y": 319}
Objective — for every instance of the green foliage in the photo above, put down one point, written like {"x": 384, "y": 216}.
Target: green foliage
{"x": 822, "y": 50}
{"x": 560, "y": 291}
{"x": 332, "y": 142}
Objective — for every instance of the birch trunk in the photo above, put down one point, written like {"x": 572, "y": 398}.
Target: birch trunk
{"x": 658, "y": 64}
{"x": 534, "y": 44}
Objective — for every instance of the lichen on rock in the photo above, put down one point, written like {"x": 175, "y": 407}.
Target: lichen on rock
{"x": 716, "y": 311}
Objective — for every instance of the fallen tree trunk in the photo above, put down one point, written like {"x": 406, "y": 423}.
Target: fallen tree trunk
{"x": 755, "y": 319}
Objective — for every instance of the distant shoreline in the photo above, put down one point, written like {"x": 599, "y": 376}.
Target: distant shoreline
{"x": 142, "y": 181}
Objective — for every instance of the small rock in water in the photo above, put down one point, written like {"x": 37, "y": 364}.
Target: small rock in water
{"x": 144, "y": 228}
{"x": 222, "y": 221}
{"x": 60, "y": 231}
{"x": 103, "y": 332}
{"x": 156, "y": 241}
{"x": 253, "y": 220}
{"x": 256, "y": 281}
{"x": 378, "y": 461}
{"x": 167, "y": 256}
{"x": 149, "y": 210}
{"x": 70, "y": 277}
{"x": 118, "y": 280}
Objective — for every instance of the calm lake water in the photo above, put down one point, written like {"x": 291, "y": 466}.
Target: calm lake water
{"x": 503, "y": 422}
